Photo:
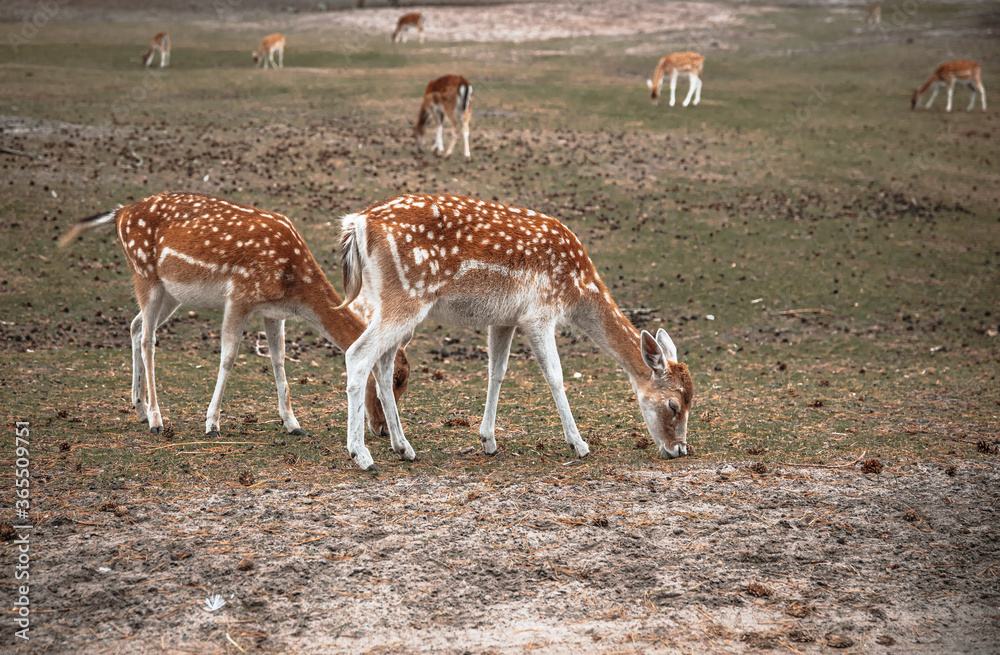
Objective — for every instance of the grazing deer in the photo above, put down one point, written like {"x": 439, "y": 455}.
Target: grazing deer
{"x": 476, "y": 263}
{"x": 874, "y": 16}
{"x": 966, "y": 71}
{"x": 686, "y": 63}
{"x": 446, "y": 97}
{"x": 406, "y": 22}
{"x": 270, "y": 44}
{"x": 214, "y": 254}
{"x": 161, "y": 44}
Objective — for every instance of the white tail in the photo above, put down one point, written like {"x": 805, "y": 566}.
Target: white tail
{"x": 446, "y": 97}
{"x": 161, "y": 44}
{"x": 413, "y": 20}
{"x": 476, "y": 263}
{"x": 686, "y": 63}
{"x": 214, "y": 254}
{"x": 270, "y": 44}
{"x": 966, "y": 71}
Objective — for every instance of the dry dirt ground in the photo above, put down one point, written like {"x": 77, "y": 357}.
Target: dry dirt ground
{"x": 691, "y": 559}
{"x": 717, "y": 559}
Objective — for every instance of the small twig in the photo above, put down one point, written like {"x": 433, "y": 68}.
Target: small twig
{"x": 796, "y": 312}
{"x": 831, "y": 466}
{"x": 214, "y": 443}
{"x": 11, "y": 151}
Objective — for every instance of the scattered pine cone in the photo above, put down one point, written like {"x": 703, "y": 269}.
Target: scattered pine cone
{"x": 757, "y": 590}
{"x": 246, "y": 478}
{"x": 758, "y": 468}
{"x": 246, "y": 564}
{"x": 871, "y": 466}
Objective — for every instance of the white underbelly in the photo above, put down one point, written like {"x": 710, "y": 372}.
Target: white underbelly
{"x": 205, "y": 295}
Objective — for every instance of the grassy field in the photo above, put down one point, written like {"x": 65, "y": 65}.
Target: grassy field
{"x": 827, "y": 260}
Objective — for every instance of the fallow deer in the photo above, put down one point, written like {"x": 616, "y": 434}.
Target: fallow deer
{"x": 161, "y": 44}
{"x": 476, "y": 263}
{"x": 414, "y": 20}
{"x": 270, "y": 44}
{"x": 874, "y": 16}
{"x": 679, "y": 63}
{"x": 211, "y": 253}
{"x": 966, "y": 71}
{"x": 446, "y": 97}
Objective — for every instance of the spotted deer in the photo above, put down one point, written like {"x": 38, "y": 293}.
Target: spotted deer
{"x": 679, "y": 63}
{"x": 413, "y": 20}
{"x": 966, "y": 71}
{"x": 161, "y": 44}
{"x": 476, "y": 263}
{"x": 270, "y": 44}
{"x": 211, "y": 253}
{"x": 446, "y": 97}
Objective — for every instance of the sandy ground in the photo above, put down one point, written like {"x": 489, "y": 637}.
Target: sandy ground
{"x": 717, "y": 559}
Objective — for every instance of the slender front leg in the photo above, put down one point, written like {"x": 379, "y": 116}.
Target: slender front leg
{"x": 934, "y": 92}
{"x": 498, "y": 343}
{"x": 465, "y": 135}
{"x": 383, "y": 378}
{"x": 275, "y": 331}
{"x": 951, "y": 92}
{"x": 454, "y": 137}
{"x": 150, "y": 311}
{"x": 232, "y": 333}
{"x": 697, "y": 93}
{"x": 673, "y": 86}
{"x": 543, "y": 344}
{"x": 694, "y": 85}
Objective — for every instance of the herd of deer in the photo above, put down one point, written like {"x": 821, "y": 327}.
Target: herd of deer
{"x": 455, "y": 260}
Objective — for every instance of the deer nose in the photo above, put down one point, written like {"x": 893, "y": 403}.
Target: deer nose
{"x": 678, "y": 450}
{"x": 383, "y": 431}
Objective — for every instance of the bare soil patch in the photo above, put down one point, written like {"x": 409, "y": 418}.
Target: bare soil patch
{"x": 718, "y": 559}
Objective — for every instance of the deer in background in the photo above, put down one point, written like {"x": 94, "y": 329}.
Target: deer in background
{"x": 475, "y": 263}
{"x": 161, "y": 44}
{"x": 966, "y": 71}
{"x": 414, "y": 20}
{"x": 214, "y": 254}
{"x": 874, "y": 16}
{"x": 270, "y": 44}
{"x": 679, "y": 63}
{"x": 446, "y": 97}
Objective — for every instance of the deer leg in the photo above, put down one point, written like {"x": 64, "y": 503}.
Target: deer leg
{"x": 233, "y": 320}
{"x": 543, "y": 344}
{"x": 951, "y": 92}
{"x": 673, "y": 87}
{"x": 454, "y": 135}
{"x": 383, "y": 378}
{"x": 697, "y": 93}
{"x": 498, "y": 343}
{"x": 465, "y": 133}
{"x": 934, "y": 92}
{"x": 275, "y": 331}
{"x": 439, "y": 118}
{"x": 281, "y": 58}
{"x": 154, "y": 312}
{"x": 168, "y": 306}
{"x": 694, "y": 85}
{"x": 982, "y": 95}
{"x": 360, "y": 359}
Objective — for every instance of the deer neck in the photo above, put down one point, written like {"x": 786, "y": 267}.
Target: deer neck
{"x": 601, "y": 320}
{"x": 319, "y": 307}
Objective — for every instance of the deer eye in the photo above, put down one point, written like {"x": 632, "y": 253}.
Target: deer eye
{"x": 674, "y": 406}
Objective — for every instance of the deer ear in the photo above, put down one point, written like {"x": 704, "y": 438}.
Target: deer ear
{"x": 652, "y": 355}
{"x": 669, "y": 349}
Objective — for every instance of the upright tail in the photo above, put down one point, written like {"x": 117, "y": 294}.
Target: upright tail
{"x": 464, "y": 100}
{"x": 88, "y": 224}
{"x": 352, "y": 245}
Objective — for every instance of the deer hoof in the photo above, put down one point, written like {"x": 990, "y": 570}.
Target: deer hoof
{"x": 299, "y": 432}
{"x": 156, "y": 429}
{"x": 213, "y": 434}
